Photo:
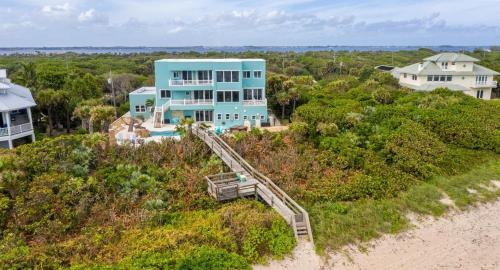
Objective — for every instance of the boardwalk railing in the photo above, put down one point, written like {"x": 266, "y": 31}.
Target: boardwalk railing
{"x": 295, "y": 215}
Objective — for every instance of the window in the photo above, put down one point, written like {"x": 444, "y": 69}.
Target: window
{"x": 228, "y": 96}
{"x": 481, "y": 79}
{"x": 245, "y": 117}
{"x": 262, "y": 117}
{"x": 246, "y": 74}
{"x": 220, "y": 96}
{"x": 414, "y": 77}
{"x": 228, "y": 76}
{"x": 404, "y": 75}
{"x": 429, "y": 78}
{"x": 203, "y": 94}
{"x": 204, "y": 75}
{"x": 236, "y": 96}
{"x": 252, "y": 94}
{"x": 177, "y": 74}
{"x": 220, "y": 76}
{"x": 235, "y": 76}
{"x": 442, "y": 78}
{"x": 203, "y": 116}
{"x": 448, "y": 78}
{"x": 227, "y": 116}
{"x": 479, "y": 94}
{"x": 140, "y": 108}
{"x": 165, "y": 93}
{"x": 253, "y": 117}
{"x": 187, "y": 75}
{"x": 436, "y": 78}
{"x": 257, "y": 74}
{"x": 444, "y": 65}
{"x": 219, "y": 116}
{"x": 236, "y": 116}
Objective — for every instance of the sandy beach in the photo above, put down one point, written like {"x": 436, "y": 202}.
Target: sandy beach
{"x": 459, "y": 240}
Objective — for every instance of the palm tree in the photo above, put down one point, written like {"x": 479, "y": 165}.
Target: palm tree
{"x": 102, "y": 114}
{"x": 283, "y": 99}
{"x": 28, "y": 74}
{"x": 294, "y": 95}
{"x": 150, "y": 103}
{"x": 189, "y": 123}
{"x": 49, "y": 99}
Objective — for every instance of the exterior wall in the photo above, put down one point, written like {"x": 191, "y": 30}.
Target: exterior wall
{"x": 140, "y": 99}
{"x": 463, "y": 66}
{"x": 408, "y": 79}
{"x": 473, "y": 93}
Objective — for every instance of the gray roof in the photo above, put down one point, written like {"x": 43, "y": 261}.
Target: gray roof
{"x": 451, "y": 57}
{"x": 431, "y": 86}
{"x": 145, "y": 90}
{"x": 431, "y": 68}
{"x": 15, "y": 97}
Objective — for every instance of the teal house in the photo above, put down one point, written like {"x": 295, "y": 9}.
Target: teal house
{"x": 221, "y": 92}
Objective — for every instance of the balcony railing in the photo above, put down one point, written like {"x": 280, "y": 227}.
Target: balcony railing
{"x": 190, "y": 82}
{"x": 255, "y": 102}
{"x": 15, "y": 129}
{"x": 492, "y": 84}
{"x": 191, "y": 102}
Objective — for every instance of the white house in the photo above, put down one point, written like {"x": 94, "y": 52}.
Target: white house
{"x": 16, "y": 124}
{"x": 455, "y": 71}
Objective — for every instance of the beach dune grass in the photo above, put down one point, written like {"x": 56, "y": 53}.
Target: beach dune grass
{"x": 336, "y": 224}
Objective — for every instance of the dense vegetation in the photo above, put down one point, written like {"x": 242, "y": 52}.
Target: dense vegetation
{"x": 360, "y": 153}
{"x": 73, "y": 201}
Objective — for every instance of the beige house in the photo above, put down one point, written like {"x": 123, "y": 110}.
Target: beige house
{"x": 455, "y": 71}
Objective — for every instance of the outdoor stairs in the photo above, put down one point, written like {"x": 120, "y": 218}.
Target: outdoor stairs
{"x": 263, "y": 187}
{"x": 157, "y": 118}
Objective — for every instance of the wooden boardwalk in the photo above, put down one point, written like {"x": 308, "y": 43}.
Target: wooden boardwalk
{"x": 255, "y": 183}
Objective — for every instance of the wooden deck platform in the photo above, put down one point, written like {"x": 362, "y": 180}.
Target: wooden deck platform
{"x": 230, "y": 186}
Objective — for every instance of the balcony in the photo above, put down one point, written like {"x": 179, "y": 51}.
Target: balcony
{"x": 255, "y": 102}
{"x": 492, "y": 84}
{"x": 191, "y": 102}
{"x": 190, "y": 82}
{"x": 15, "y": 129}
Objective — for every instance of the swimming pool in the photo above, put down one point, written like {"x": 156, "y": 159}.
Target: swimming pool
{"x": 166, "y": 133}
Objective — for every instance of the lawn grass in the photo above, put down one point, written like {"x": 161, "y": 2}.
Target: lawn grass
{"x": 336, "y": 224}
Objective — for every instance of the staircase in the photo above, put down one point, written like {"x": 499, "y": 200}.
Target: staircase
{"x": 269, "y": 192}
{"x": 158, "y": 114}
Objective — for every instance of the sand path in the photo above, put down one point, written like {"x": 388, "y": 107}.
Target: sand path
{"x": 460, "y": 240}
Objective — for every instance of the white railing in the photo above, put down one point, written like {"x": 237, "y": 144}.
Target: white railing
{"x": 190, "y": 82}
{"x": 255, "y": 102}
{"x": 191, "y": 101}
{"x": 15, "y": 129}
{"x": 492, "y": 84}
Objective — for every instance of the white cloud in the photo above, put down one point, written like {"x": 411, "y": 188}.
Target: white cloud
{"x": 62, "y": 9}
{"x": 92, "y": 16}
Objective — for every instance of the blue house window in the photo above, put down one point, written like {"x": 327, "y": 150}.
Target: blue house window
{"x": 228, "y": 76}
{"x": 228, "y": 96}
{"x": 246, "y": 74}
{"x": 165, "y": 93}
{"x": 257, "y": 74}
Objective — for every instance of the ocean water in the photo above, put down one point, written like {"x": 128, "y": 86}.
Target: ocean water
{"x": 228, "y": 49}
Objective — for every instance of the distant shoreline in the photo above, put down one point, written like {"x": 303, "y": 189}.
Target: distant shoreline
{"x": 228, "y": 49}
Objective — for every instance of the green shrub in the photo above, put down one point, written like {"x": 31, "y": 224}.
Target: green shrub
{"x": 212, "y": 258}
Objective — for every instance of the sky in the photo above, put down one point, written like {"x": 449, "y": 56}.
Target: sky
{"x": 34, "y": 23}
